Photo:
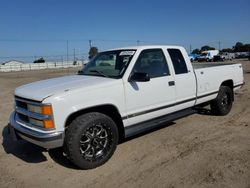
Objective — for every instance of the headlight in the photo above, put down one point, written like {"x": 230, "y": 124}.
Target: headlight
{"x": 36, "y": 122}
{"x": 44, "y": 109}
{"x": 34, "y": 108}
{"x": 47, "y": 124}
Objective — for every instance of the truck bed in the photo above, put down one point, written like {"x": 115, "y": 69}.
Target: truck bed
{"x": 211, "y": 64}
{"x": 209, "y": 77}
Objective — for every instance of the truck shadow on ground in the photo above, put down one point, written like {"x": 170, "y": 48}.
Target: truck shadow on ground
{"x": 204, "y": 111}
{"x": 161, "y": 126}
{"x": 31, "y": 153}
{"x": 21, "y": 149}
{"x": 59, "y": 157}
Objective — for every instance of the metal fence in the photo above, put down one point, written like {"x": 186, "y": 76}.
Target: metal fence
{"x": 38, "y": 66}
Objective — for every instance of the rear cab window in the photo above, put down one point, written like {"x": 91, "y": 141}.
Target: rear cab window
{"x": 179, "y": 63}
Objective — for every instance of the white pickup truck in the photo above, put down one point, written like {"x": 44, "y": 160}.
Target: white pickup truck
{"x": 120, "y": 93}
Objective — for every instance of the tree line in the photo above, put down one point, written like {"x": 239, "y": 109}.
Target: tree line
{"x": 238, "y": 47}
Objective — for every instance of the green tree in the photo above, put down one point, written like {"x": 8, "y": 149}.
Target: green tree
{"x": 230, "y": 50}
{"x": 238, "y": 47}
{"x": 40, "y": 60}
{"x": 206, "y": 47}
{"x": 93, "y": 51}
{"x": 196, "y": 51}
{"x": 247, "y": 47}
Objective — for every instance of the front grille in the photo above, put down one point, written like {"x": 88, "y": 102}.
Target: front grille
{"x": 22, "y": 103}
{"x": 23, "y": 118}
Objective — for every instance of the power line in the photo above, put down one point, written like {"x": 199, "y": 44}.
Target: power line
{"x": 90, "y": 41}
{"x": 105, "y": 40}
{"x": 32, "y": 40}
{"x": 46, "y": 56}
{"x": 64, "y": 40}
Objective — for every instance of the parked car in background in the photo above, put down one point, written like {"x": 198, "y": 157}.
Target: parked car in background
{"x": 224, "y": 56}
{"x": 193, "y": 57}
{"x": 227, "y": 56}
{"x": 208, "y": 55}
{"x": 239, "y": 55}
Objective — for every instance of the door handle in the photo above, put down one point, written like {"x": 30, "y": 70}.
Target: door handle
{"x": 171, "y": 83}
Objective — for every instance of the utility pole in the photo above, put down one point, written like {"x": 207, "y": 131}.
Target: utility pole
{"x": 219, "y": 45}
{"x": 190, "y": 49}
{"x": 137, "y": 42}
{"x": 90, "y": 44}
{"x": 74, "y": 55}
{"x": 67, "y": 51}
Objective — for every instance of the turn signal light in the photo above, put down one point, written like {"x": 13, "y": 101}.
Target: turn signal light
{"x": 47, "y": 110}
{"x": 48, "y": 124}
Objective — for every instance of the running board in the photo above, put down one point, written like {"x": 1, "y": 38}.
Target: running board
{"x": 156, "y": 122}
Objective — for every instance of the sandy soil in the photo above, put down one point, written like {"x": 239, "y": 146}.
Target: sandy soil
{"x": 196, "y": 151}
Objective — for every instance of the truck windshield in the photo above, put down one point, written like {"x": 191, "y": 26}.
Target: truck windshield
{"x": 110, "y": 64}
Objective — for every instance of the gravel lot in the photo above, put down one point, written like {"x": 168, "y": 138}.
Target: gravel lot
{"x": 196, "y": 151}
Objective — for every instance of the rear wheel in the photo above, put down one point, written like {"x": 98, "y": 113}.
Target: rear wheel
{"x": 91, "y": 140}
{"x": 223, "y": 103}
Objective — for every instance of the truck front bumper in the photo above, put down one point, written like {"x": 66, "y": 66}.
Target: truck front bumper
{"x": 45, "y": 140}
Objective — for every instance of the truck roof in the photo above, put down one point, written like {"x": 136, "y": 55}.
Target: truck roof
{"x": 146, "y": 47}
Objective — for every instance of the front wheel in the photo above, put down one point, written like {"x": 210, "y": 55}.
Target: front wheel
{"x": 223, "y": 103}
{"x": 91, "y": 140}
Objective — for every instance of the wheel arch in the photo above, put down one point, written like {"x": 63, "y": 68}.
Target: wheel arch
{"x": 107, "y": 109}
{"x": 230, "y": 84}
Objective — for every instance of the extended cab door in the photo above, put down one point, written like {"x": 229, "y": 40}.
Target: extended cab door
{"x": 149, "y": 99}
{"x": 185, "y": 82}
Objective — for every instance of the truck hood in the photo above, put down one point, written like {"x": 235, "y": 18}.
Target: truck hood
{"x": 43, "y": 89}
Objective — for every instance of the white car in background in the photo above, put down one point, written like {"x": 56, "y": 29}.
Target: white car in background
{"x": 208, "y": 55}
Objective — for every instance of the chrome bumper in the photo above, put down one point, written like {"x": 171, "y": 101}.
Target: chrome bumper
{"x": 45, "y": 140}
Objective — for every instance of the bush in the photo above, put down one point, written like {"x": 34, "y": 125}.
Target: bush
{"x": 40, "y": 60}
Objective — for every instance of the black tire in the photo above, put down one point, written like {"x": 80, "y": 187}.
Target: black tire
{"x": 91, "y": 140}
{"x": 223, "y": 103}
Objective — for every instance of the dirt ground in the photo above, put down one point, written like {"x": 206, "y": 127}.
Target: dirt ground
{"x": 196, "y": 151}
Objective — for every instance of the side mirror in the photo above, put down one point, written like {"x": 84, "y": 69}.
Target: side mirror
{"x": 139, "y": 77}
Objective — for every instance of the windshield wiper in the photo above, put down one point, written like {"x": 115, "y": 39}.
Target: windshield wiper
{"x": 100, "y": 73}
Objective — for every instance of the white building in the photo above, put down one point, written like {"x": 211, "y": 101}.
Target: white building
{"x": 12, "y": 62}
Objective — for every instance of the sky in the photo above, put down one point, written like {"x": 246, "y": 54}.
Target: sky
{"x": 31, "y": 29}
